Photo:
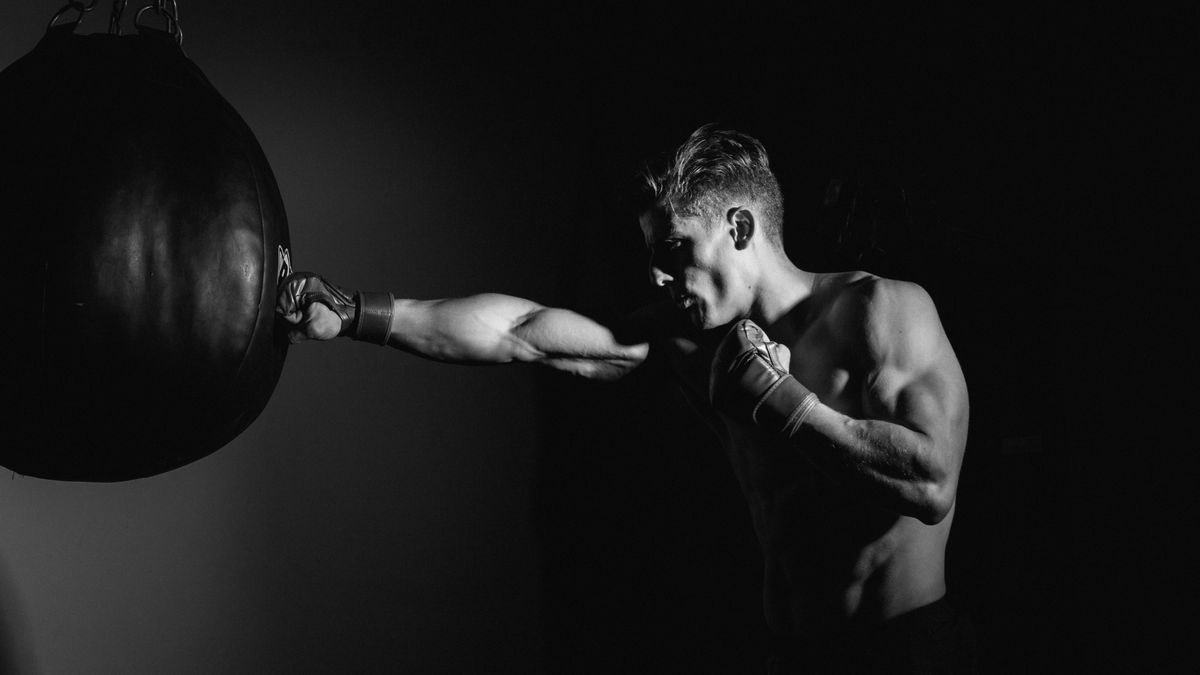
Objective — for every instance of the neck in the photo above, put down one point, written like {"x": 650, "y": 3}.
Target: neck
{"x": 781, "y": 286}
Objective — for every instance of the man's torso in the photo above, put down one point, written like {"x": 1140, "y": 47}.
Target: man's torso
{"x": 830, "y": 555}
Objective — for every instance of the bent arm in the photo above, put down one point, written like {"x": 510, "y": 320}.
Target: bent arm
{"x": 908, "y": 456}
{"x": 492, "y": 328}
{"x": 906, "y": 448}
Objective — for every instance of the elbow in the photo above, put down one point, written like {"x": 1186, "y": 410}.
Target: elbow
{"x": 935, "y": 501}
{"x": 936, "y": 486}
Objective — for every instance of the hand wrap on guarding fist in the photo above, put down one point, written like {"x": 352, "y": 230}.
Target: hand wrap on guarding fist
{"x": 365, "y": 316}
{"x": 750, "y": 381}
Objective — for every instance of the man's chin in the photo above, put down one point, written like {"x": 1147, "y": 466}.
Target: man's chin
{"x": 705, "y": 322}
{"x": 708, "y": 322}
{"x": 697, "y": 317}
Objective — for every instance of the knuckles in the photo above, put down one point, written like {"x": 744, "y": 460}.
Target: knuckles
{"x": 747, "y": 341}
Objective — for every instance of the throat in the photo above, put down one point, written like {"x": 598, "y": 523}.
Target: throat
{"x": 781, "y": 294}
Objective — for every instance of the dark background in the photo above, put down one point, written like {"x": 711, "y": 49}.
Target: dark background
{"x": 387, "y": 514}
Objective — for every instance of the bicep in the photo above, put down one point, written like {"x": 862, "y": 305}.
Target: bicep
{"x": 915, "y": 379}
{"x": 931, "y": 402}
{"x": 493, "y": 328}
{"x": 574, "y": 343}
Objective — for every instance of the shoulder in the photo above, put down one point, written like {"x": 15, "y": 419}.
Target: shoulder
{"x": 894, "y": 319}
{"x": 873, "y": 299}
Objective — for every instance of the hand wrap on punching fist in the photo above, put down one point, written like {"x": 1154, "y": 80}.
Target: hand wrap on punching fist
{"x": 365, "y": 316}
{"x": 750, "y": 381}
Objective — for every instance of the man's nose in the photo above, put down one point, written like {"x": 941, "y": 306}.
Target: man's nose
{"x": 662, "y": 268}
{"x": 658, "y": 277}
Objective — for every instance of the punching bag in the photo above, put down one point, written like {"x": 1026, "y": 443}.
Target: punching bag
{"x": 144, "y": 236}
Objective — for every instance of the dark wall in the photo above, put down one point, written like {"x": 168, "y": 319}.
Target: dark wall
{"x": 389, "y": 514}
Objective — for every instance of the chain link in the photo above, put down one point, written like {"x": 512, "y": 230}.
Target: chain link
{"x": 114, "y": 19}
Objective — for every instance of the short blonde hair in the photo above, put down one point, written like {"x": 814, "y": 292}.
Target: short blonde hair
{"x": 711, "y": 168}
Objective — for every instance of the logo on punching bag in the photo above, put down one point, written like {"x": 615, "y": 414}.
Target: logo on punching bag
{"x": 285, "y": 263}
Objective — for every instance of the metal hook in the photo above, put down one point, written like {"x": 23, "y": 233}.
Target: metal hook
{"x": 159, "y": 7}
{"x": 73, "y": 5}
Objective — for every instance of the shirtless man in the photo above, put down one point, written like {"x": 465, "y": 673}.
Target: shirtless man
{"x": 845, "y": 427}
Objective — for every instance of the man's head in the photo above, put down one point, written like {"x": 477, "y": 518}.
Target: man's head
{"x": 711, "y": 214}
{"x": 712, "y": 169}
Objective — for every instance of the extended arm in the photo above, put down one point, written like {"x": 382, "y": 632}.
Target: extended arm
{"x": 481, "y": 329}
{"x": 905, "y": 449}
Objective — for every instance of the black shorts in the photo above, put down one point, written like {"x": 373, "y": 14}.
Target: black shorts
{"x": 935, "y": 638}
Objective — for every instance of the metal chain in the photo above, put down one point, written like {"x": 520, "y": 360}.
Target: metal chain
{"x": 114, "y": 20}
{"x": 167, "y": 10}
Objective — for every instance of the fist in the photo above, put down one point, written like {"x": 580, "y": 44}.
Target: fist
{"x": 749, "y": 380}
{"x": 320, "y": 310}
{"x": 316, "y": 308}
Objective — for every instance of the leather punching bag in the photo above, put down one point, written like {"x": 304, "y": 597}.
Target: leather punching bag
{"x": 144, "y": 236}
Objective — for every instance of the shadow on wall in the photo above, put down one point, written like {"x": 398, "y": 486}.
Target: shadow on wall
{"x": 16, "y": 657}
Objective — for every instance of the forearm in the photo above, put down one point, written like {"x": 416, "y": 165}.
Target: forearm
{"x": 889, "y": 463}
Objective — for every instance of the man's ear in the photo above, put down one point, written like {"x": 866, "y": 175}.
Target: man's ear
{"x": 742, "y": 226}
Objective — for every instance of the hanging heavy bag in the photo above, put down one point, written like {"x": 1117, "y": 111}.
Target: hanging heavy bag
{"x": 144, "y": 239}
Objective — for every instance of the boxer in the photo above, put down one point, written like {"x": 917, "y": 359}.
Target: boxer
{"x": 837, "y": 397}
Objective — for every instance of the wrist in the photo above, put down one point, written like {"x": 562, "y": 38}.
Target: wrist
{"x": 784, "y": 408}
{"x": 373, "y": 322}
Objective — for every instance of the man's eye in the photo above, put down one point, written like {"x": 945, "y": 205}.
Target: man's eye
{"x": 670, "y": 244}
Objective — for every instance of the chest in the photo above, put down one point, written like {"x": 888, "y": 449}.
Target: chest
{"x": 821, "y": 360}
